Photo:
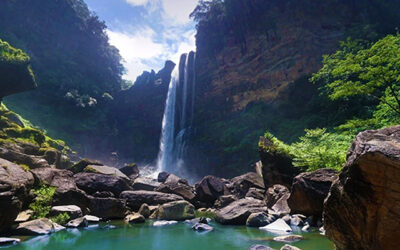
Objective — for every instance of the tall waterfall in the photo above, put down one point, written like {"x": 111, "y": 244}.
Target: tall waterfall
{"x": 177, "y": 124}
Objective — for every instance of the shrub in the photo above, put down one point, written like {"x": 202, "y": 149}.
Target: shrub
{"x": 42, "y": 204}
{"x": 61, "y": 219}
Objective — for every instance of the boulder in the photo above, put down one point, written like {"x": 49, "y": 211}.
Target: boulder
{"x": 145, "y": 210}
{"x": 238, "y": 211}
{"x": 62, "y": 179}
{"x": 277, "y": 167}
{"x": 78, "y": 223}
{"x": 162, "y": 176}
{"x": 134, "y": 199}
{"x": 296, "y": 221}
{"x": 289, "y": 238}
{"x": 178, "y": 188}
{"x": 92, "y": 219}
{"x": 309, "y": 191}
{"x": 176, "y": 210}
{"x": 103, "y": 194}
{"x": 92, "y": 183}
{"x": 363, "y": 207}
{"x": 162, "y": 223}
{"x": 135, "y": 218}
{"x": 82, "y": 164}
{"x": 224, "y": 201}
{"x": 105, "y": 170}
{"x": 130, "y": 170}
{"x": 32, "y": 161}
{"x": 275, "y": 193}
{"x": 240, "y": 185}
{"x": 256, "y": 193}
{"x": 8, "y": 241}
{"x": 38, "y": 227}
{"x": 15, "y": 184}
{"x": 24, "y": 216}
{"x": 72, "y": 210}
{"x": 260, "y": 247}
{"x": 259, "y": 219}
{"x": 289, "y": 247}
{"x": 277, "y": 226}
{"x": 108, "y": 208}
{"x": 72, "y": 197}
{"x": 209, "y": 189}
{"x": 200, "y": 227}
{"x": 145, "y": 183}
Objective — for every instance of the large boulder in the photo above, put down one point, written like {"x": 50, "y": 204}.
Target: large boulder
{"x": 240, "y": 185}
{"x": 238, "y": 211}
{"x": 209, "y": 189}
{"x": 178, "y": 186}
{"x": 105, "y": 170}
{"x": 276, "y": 199}
{"x": 176, "y": 210}
{"x": 362, "y": 210}
{"x": 64, "y": 197}
{"x": 15, "y": 184}
{"x": 277, "y": 167}
{"x": 38, "y": 227}
{"x": 73, "y": 211}
{"x": 145, "y": 183}
{"x": 130, "y": 170}
{"x": 92, "y": 183}
{"x": 309, "y": 191}
{"x": 135, "y": 199}
{"x": 108, "y": 208}
{"x": 62, "y": 179}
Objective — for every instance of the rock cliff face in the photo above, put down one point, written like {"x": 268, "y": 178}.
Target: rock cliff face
{"x": 241, "y": 77}
{"x": 362, "y": 210}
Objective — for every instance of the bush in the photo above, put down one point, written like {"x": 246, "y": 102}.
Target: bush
{"x": 41, "y": 206}
{"x": 61, "y": 219}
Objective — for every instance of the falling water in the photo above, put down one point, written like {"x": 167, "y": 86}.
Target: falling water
{"x": 178, "y": 117}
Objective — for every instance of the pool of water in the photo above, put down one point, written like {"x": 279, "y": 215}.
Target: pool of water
{"x": 173, "y": 237}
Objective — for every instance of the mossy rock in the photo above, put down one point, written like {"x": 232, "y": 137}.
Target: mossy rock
{"x": 82, "y": 164}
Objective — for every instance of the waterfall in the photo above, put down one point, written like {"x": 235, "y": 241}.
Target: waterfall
{"x": 177, "y": 124}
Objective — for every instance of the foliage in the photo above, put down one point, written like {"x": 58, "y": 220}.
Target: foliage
{"x": 60, "y": 219}
{"x": 10, "y": 54}
{"x": 372, "y": 72}
{"x": 205, "y": 214}
{"x": 41, "y": 206}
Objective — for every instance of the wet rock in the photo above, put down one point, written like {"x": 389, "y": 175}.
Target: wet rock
{"x": 62, "y": 179}
{"x": 145, "y": 183}
{"x": 24, "y": 216}
{"x": 363, "y": 207}
{"x": 72, "y": 210}
{"x": 135, "y": 218}
{"x": 209, "y": 189}
{"x": 277, "y": 167}
{"x": 105, "y": 170}
{"x": 15, "y": 184}
{"x": 224, "y": 201}
{"x": 200, "y": 227}
{"x": 38, "y": 227}
{"x": 259, "y": 219}
{"x": 92, "y": 183}
{"x": 241, "y": 184}
{"x": 8, "y": 241}
{"x": 78, "y": 223}
{"x": 238, "y": 211}
{"x": 289, "y": 238}
{"x": 92, "y": 219}
{"x": 176, "y": 210}
{"x": 163, "y": 223}
{"x": 260, "y": 247}
{"x": 277, "y": 226}
{"x": 130, "y": 170}
{"x": 289, "y": 247}
{"x": 134, "y": 199}
{"x": 309, "y": 191}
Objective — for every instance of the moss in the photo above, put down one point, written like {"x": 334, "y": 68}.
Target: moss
{"x": 205, "y": 214}
{"x": 89, "y": 169}
{"x": 9, "y": 54}
{"x": 25, "y": 167}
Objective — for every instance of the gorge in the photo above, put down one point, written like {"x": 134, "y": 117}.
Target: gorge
{"x": 279, "y": 131}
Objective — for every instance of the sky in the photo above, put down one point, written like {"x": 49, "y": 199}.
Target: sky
{"x": 147, "y": 32}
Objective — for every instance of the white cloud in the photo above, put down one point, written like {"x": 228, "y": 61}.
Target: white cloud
{"x": 179, "y": 10}
{"x": 137, "y": 2}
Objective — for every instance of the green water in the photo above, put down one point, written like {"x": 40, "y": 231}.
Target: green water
{"x": 173, "y": 237}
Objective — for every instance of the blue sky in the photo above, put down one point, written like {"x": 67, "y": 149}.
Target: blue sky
{"x": 147, "y": 32}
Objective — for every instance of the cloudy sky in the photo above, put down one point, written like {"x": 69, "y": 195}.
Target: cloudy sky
{"x": 147, "y": 32}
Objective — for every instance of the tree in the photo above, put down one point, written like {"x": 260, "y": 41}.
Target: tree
{"x": 372, "y": 72}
